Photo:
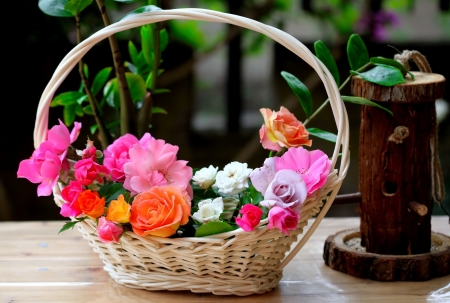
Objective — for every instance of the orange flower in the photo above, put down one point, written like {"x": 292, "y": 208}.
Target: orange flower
{"x": 282, "y": 129}
{"x": 160, "y": 211}
{"x": 118, "y": 210}
{"x": 91, "y": 204}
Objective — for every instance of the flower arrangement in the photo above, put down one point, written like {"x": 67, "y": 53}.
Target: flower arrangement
{"x": 139, "y": 185}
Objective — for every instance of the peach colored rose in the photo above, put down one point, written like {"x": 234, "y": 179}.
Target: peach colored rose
{"x": 282, "y": 129}
{"x": 160, "y": 210}
{"x": 91, "y": 204}
{"x": 118, "y": 211}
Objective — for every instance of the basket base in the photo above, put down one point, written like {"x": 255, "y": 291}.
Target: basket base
{"x": 196, "y": 284}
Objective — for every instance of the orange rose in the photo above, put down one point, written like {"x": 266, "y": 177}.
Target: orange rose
{"x": 118, "y": 210}
{"x": 91, "y": 204}
{"x": 160, "y": 211}
{"x": 282, "y": 129}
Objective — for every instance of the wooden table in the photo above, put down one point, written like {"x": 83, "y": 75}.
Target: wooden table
{"x": 38, "y": 265}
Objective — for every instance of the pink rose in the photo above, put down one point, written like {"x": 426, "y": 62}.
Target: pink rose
{"x": 284, "y": 219}
{"x": 314, "y": 166}
{"x": 261, "y": 177}
{"x": 88, "y": 171}
{"x": 251, "y": 215}
{"x": 62, "y": 138}
{"x": 70, "y": 194}
{"x": 116, "y": 155}
{"x": 108, "y": 231}
{"x": 155, "y": 165}
{"x": 287, "y": 190}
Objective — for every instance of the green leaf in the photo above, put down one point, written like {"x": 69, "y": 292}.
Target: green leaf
{"x": 161, "y": 91}
{"x": 67, "y": 98}
{"x": 132, "y": 50}
{"x": 390, "y": 62}
{"x": 126, "y": 1}
{"x": 149, "y": 80}
{"x": 301, "y": 91}
{"x": 79, "y": 110}
{"x": 131, "y": 67}
{"x": 55, "y": 8}
{"x": 77, "y": 6}
{"x": 67, "y": 226}
{"x": 357, "y": 52}
{"x": 322, "y": 134}
{"x": 135, "y": 83}
{"x": 100, "y": 80}
{"x": 213, "y": 228}
{"x": 163, "y": 40}
{"x": 188, "y": 32}
{"x": 140, "y": 10}
{"x": 383, "y": 75}
{"x": 148, "y": 41}
{"x": 324, "y": 55}
{"x": 93, "y": 128}
{"x": 86, "y": 70}
{"x": 69, "y": 114}
{"x": 88, "y": 110}
{"x": 142, "y": 67}
{"x": 82, "y": 99}
{"x": 363, "y": 101}
{"x": 158, "y": 110}
{"x": 111, "y": 191}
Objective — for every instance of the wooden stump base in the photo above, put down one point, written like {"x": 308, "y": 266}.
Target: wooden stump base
{"x": 343, "y": 252}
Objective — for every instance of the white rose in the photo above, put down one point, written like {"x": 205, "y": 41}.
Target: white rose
{"x": 233, "y": 178}
{"x": 209, "y": 210}
{"x": 205, "y": 177}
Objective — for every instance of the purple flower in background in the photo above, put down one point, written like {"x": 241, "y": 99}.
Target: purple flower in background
{"x": 376, "y": 23}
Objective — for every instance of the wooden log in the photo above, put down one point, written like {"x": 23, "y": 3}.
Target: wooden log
{"x": 395, "y": 163}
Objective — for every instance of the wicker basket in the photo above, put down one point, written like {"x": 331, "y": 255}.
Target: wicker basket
{"x": 236, "y": 262}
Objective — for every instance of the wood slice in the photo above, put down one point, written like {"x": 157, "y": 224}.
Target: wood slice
{"x": 353, "y": 260}
{"x": 424, "y": 88}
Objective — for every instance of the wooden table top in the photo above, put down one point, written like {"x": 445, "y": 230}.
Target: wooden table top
{"x": 38, "y": 265}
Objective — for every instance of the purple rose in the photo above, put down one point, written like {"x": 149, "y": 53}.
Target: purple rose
{"x": 287, "y": 190}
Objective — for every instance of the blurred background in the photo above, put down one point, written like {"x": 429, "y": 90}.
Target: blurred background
{"x": 219, "y": 77}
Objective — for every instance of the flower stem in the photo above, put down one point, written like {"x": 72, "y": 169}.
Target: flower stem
{"x": 362, "y": 68}
{"x": 127, "y": 110}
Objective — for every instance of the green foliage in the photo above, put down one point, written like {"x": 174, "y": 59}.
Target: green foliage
{"x": 357, "y": 53}
{"x": 100, "y": 80}
{"x": 213, "y": 228}
{"x": 188, "y": 32}
{"x": 324, "y": 55}
{"x": 390, "y": 62}
{"x": 55, "y": 8}
{"x": 140, "y": 10}
{"x": 135, "y": 83}
{"x": 111, "y": 191}
{"x": 383, "y": 75}
{"x": 71, "y": 224}
{"x": 363, "y": 101}
{"x": 322, "y": 134}
{"x": 77, "y": 6}
{"x": 300, "y": 90}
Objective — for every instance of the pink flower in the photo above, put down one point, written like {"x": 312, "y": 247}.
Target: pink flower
{"x": 155, "y": 165}
{"x": 314, "y": 166}
{"x": 48, "y": 159}
{"x": 70, "y": 194}
{"x": 251, "y": 215}
{"x": 108, "y": 231}
{"x": 287, "y": 190}
{"x": 284, "y": 219}
{"x": 282, "y": 129}
{"x": 88, "y": 171}
{"x": 116, "y": 155}
{"x": 261, "y": 177}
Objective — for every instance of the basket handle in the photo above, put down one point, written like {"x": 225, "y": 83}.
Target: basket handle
{"x": 288, "y": 41}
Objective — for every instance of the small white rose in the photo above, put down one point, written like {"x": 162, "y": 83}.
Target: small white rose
{"x": 205, "y": 177}
{"x": 209, "y": 210}
{"x": 233, "y": 179}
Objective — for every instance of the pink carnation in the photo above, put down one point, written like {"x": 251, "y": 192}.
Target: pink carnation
{"x": 108, "y": 231}
{"x": 155, "y": 165}
{"x": 117, "y": 154}
{"x": 314, "y": 166}
{"x": 284, "y": 219}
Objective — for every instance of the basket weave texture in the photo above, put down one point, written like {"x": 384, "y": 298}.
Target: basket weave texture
{"x": 237, "y": 262}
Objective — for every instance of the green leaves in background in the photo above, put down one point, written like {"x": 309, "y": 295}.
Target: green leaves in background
{"x": 383, "y": 75}
{"x": 140, "y": 10}
{"x": 188, "y": 32}
{"x": 77, "y": 6}
{"x": 213, "y": 228}
{"x": 322, "y": 134}
{"x": 324, "y": 55}
{"x": 357, "y": 52}
{"x": 363, "y": 101}
{"x": 135, "y": 83}
{"x": 147, "y": 42}
{"x": 391, "y": 62}
{"x": 300, "y": 90}
{"x": 111, "y": 191}
{"x": 100, "y": 80}
{"x": 55, "y": 8}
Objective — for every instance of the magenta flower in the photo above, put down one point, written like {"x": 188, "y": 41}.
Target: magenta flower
{"x": 155, "y": 165}
{"x": 116, "y": 155}
{"x": 251, "y": 215}
{"x": 48, "y": 159}
{"x": 108, "y": 231}
{"x": 88, "y": 171}
{"x": 70, "y": 194}
{"x": 284, "y": 219}
{"x": 313, "y": 166}
{"x": 287, "y": 190}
